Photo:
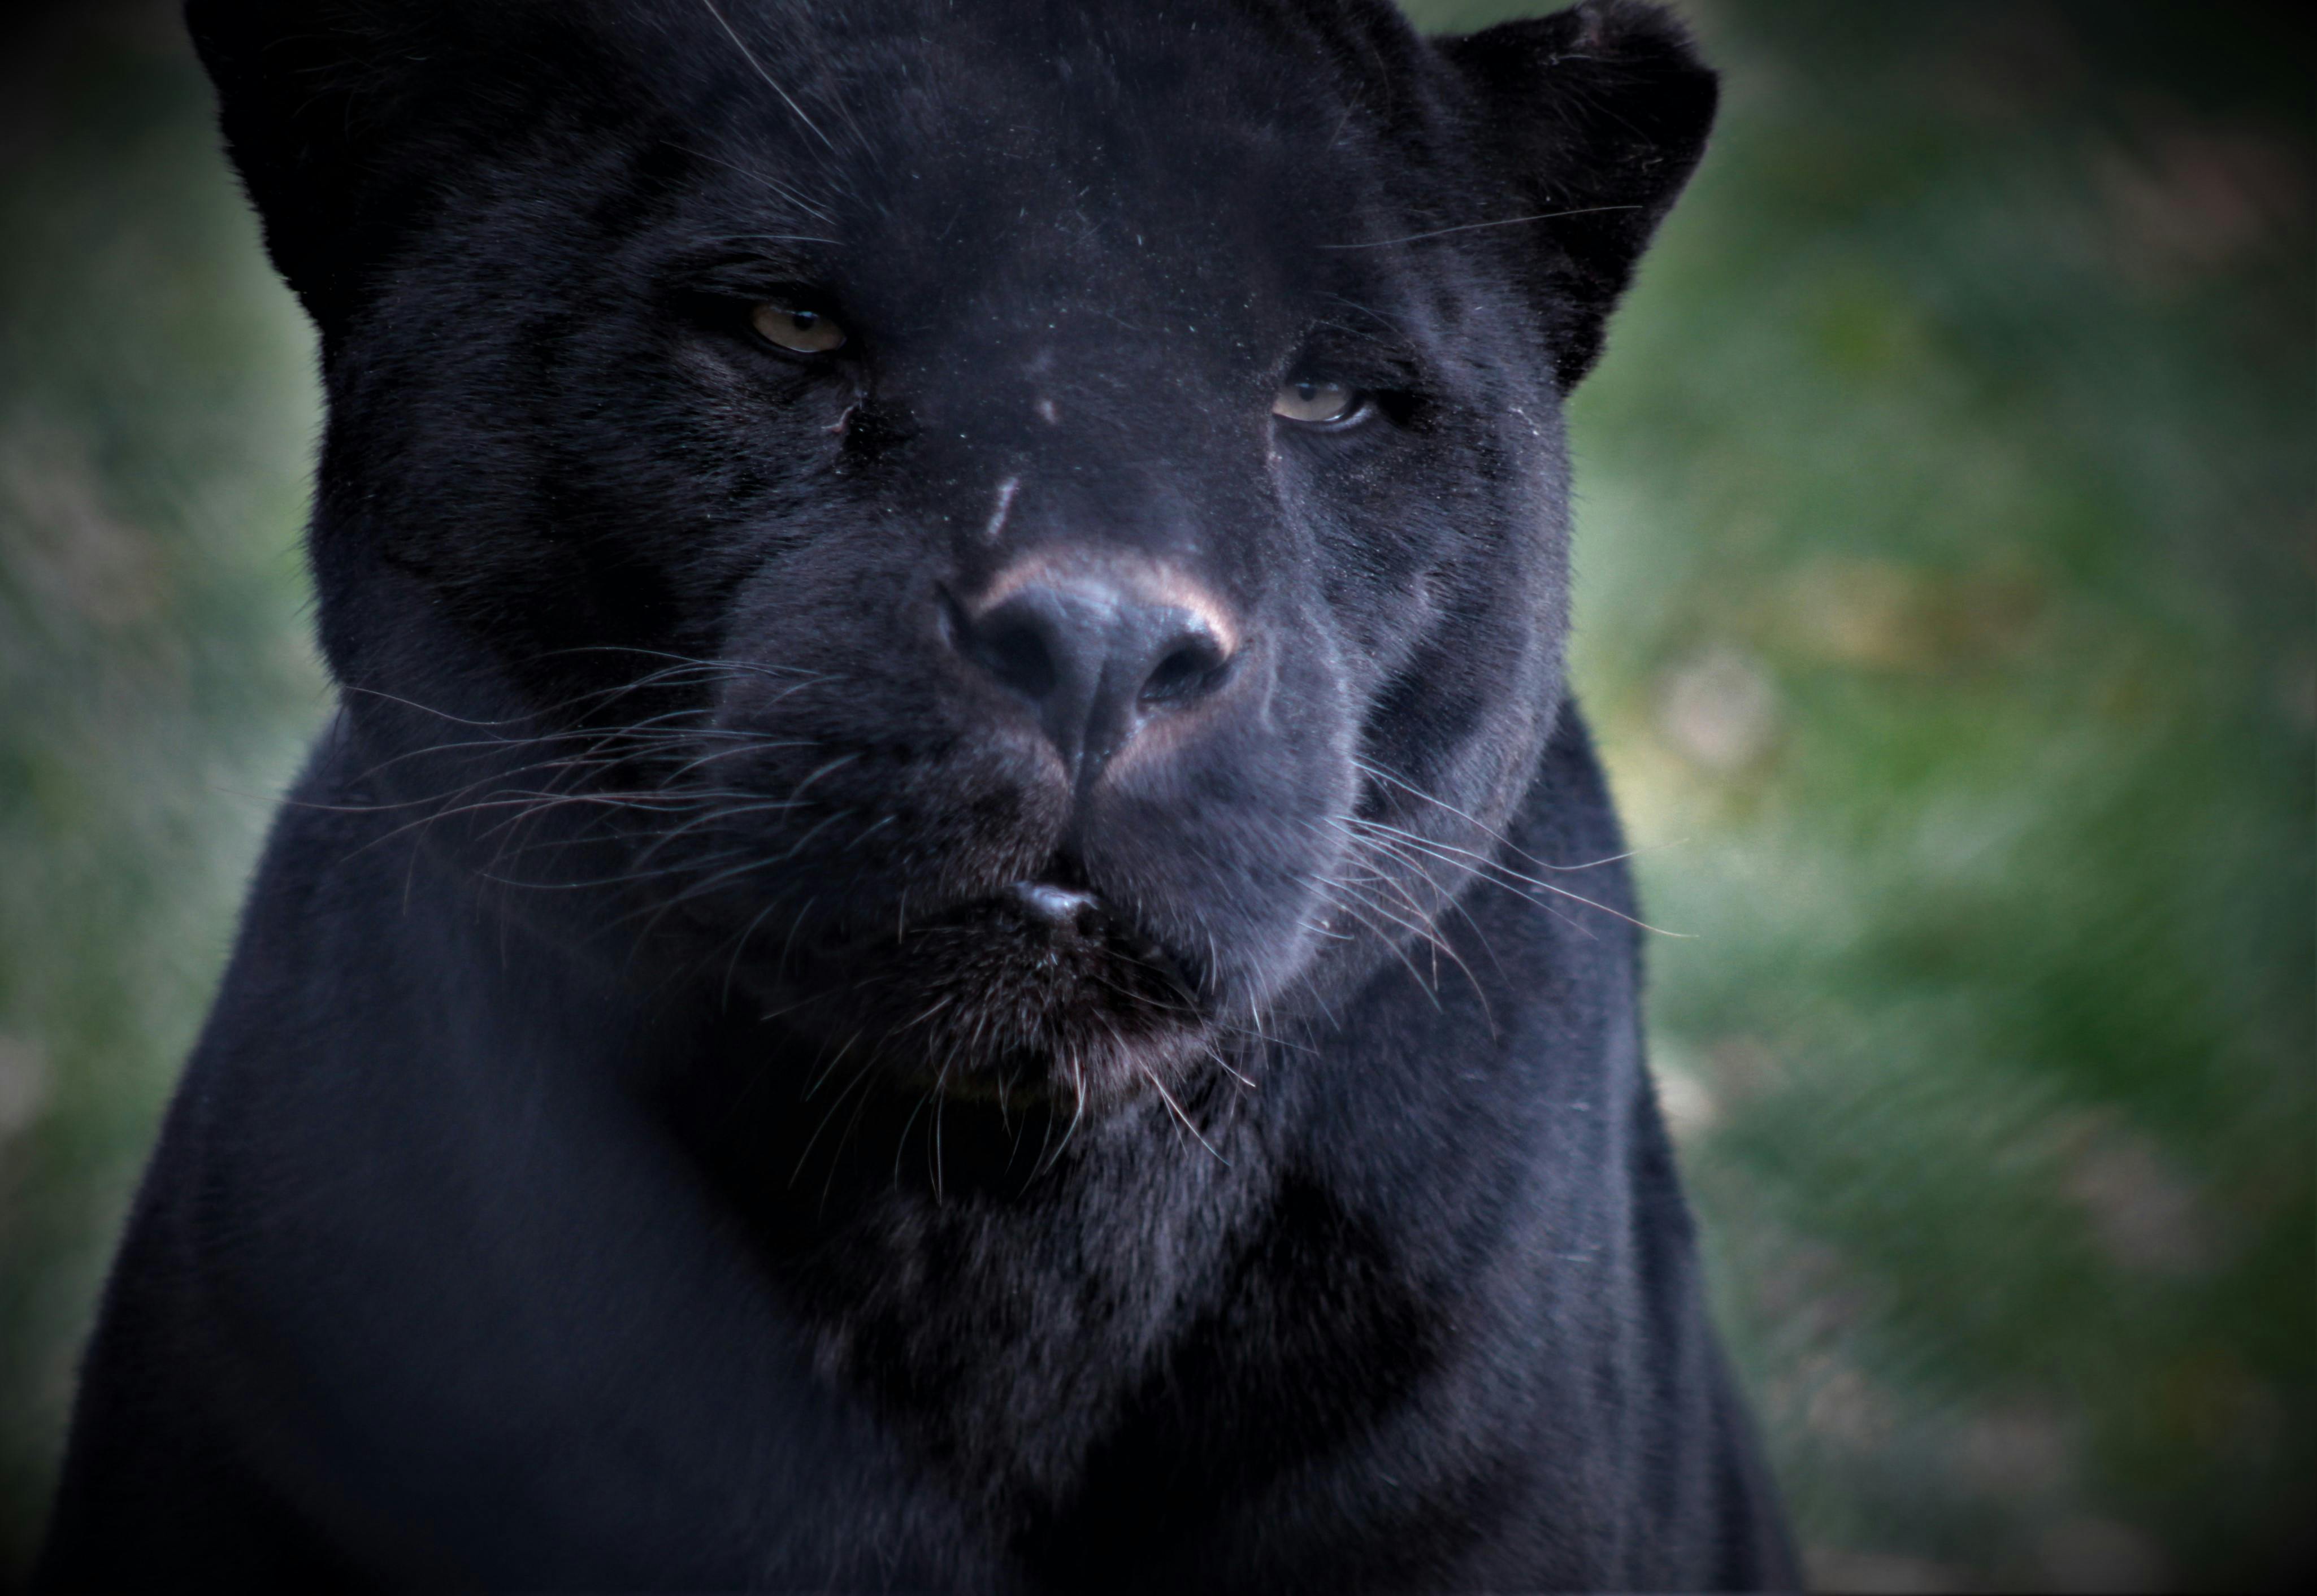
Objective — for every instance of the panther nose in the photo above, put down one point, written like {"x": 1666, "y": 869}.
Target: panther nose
{"x": 1094, "y": 658}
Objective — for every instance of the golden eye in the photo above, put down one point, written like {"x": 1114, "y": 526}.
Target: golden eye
{"x": 1308, "y": 399}
{"x": 806, "y": 332}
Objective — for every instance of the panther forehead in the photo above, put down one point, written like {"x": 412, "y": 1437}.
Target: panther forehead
{"x": 1092, "y": 130}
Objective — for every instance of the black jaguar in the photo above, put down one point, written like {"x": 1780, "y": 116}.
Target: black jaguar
{"x": 954, "y": 930}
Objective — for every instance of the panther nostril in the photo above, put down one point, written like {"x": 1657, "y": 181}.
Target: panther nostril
{"x": 1191, "y": 670}
{"x": 1018, "y": 656}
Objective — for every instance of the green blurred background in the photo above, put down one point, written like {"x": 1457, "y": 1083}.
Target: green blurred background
{"x": 1948, "y": 561}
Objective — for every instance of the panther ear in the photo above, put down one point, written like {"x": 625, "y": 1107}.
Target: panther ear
{"x": 1594, "y": 118}
{"x": 344, "y": 115}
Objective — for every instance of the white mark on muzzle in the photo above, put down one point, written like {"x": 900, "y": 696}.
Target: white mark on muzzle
{"x": 1006, "y": 492}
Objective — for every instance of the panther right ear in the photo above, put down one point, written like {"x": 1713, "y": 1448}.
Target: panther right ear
{"x": 343, "y": 116}
{"x": 1593, "y": 118}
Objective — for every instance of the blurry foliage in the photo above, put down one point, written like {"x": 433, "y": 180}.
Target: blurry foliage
{"x": 1947, "y": 613}
{"x": 156, "y": 683}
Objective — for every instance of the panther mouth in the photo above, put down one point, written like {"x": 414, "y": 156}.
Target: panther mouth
{"x": 1043, "y": 991}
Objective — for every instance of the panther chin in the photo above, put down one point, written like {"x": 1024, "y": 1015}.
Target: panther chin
{"x": 1040, "y": 995}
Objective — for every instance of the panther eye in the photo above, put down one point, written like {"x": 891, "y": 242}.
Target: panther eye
{"x": 805, "y": 331}
{"x": 1308, "y": 399}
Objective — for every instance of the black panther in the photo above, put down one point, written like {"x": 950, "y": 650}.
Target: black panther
{"x": 955, "y": 932}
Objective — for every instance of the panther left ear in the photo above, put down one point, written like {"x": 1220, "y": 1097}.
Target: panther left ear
{"x": 1593, "y": 118}
{"x": 346, "y": 118}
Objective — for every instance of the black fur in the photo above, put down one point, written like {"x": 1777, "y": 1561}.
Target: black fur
{"x": 648, "y": 1136}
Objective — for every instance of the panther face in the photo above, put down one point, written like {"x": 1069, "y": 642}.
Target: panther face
{"x": 1027, "y": 541}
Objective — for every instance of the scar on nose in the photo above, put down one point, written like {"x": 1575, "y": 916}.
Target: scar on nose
{"x": 1006, "y": 492}
{"x": 1046, "y": 408}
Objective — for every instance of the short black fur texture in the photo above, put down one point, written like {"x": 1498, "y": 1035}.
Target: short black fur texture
{"x": 965, "y": 960}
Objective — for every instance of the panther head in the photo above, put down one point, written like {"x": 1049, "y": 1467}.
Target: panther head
{"x": 1027, "y": 540}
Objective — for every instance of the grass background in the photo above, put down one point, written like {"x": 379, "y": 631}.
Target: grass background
{"x": 1948, "y": 562}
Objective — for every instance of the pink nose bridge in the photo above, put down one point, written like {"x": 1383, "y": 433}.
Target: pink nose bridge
{"x": 1158, "y": 584}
